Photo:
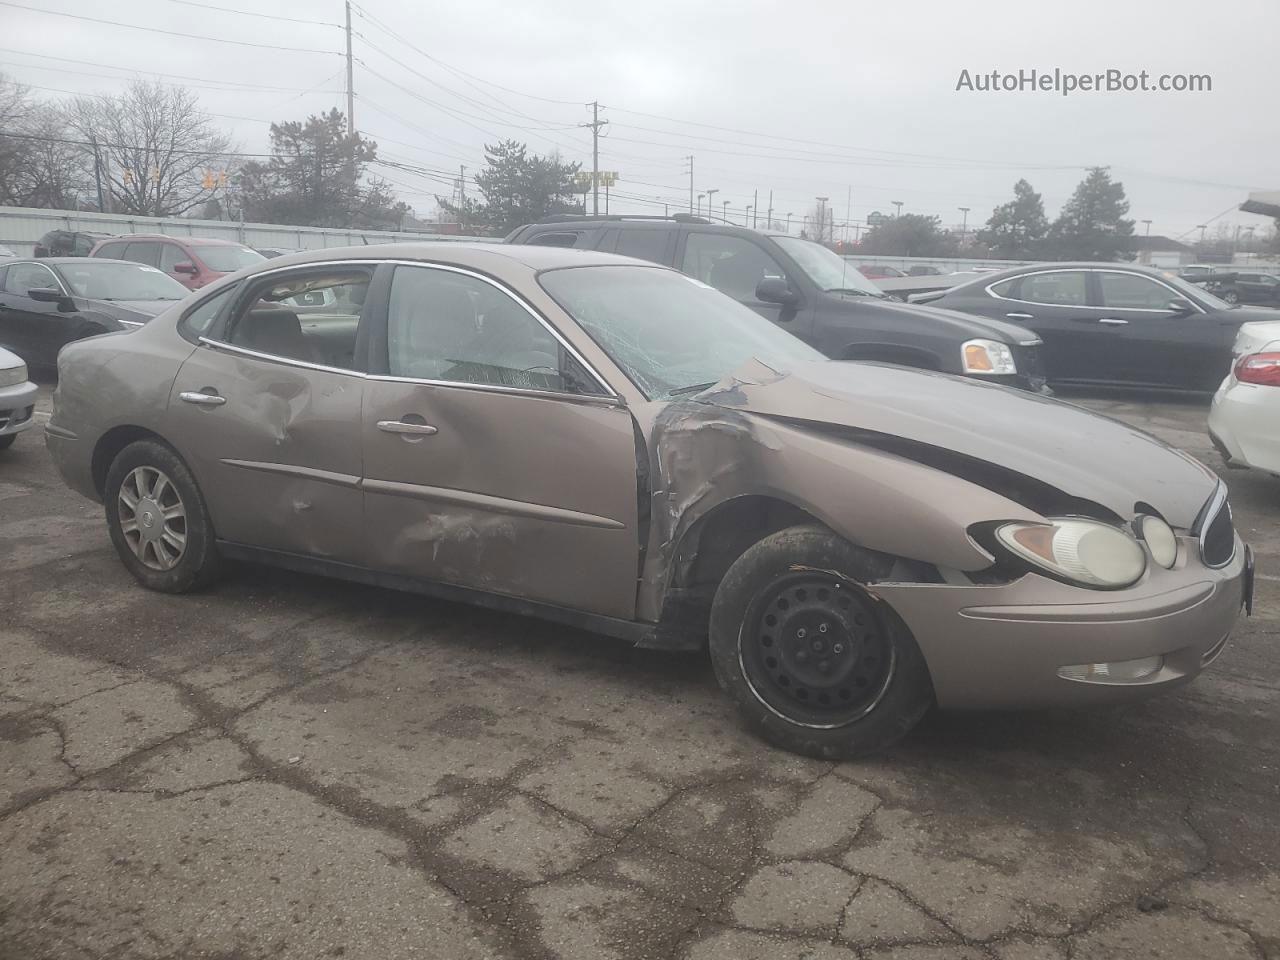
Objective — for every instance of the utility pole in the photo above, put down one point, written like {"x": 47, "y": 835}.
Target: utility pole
{"x": 351, "y": 93}
{"x": 690, "y": 159}
{"x": 768, "y": 217}
{"x": 789, "y": 216}
{"x": 595, "y": 125}
{"x": 964, "y": 226}
{"x": 755, "y": 207}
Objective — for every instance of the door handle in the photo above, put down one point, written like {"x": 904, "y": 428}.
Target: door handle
{"x": 400, "y": 426}
{"x": 202, "y": 399}
{"x": 1113, "y": 322}
{"x": 1019, "y": 316}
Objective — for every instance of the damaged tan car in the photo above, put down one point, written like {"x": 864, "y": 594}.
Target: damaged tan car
{"x": 614, "y": 446}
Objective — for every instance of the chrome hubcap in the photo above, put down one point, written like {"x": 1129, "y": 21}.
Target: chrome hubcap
{"x": 153, "y": 518}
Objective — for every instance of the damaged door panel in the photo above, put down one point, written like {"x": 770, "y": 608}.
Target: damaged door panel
{"x": 279, "y": 456}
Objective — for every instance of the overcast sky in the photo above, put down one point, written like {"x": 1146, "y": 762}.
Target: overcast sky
{"x": 834, "y": 98}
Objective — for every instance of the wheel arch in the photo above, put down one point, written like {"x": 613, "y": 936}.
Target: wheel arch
{"x": 111, "y": 443}
{"x": 907, "y": 356}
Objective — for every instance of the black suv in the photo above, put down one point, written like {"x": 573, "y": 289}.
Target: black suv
{"x": 67, "y": 243}
{"x": 809, "y": 290}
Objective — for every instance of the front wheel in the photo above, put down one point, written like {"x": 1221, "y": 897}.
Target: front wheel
{"x": 158, "y": 520}
{"x": 1231, "y": 296}
{"x": 816, "y": 664}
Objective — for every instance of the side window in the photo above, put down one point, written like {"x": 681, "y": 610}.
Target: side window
{"x": 112, "y": 251}
{"x": 561, "y": 239}
{"x": 197, "y": 321}
{"x": 1134, "y": 292}
{"x": 1067, "y": 288}
{"x": 453, "y": 327}
{"x": 170, "y": 253}
{"x": 311, "y": 316}
{"x": 732, "y": 265}
{"x": 148, "y": 253}
{"x": 83, "y": 244}
{"x": 27, "y": 276}
{"x": 1006, "y": 288}
{"x": 644, "y": 244}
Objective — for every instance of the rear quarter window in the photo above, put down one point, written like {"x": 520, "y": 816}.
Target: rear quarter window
{"x": 195, "y": 323}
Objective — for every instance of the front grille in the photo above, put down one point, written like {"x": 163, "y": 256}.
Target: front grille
{"x": 1216, "y": 531}
{"x": 1030, "y": 366}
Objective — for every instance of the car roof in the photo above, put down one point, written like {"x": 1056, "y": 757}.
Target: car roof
{"x": 484, "y": 256}
{"x": 195, "y": 241}
{"x": 644, "y": 223}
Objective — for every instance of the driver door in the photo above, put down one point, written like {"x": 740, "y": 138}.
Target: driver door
{"x": 734, "y": 266}
{"x": 492, "y": 459}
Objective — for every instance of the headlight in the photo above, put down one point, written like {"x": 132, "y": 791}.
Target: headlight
{"x": 13, "y": 376}
{"x": 987, "y": 356}
{"x": 1086, "y": 552}
{"x": 1161, "y": 540}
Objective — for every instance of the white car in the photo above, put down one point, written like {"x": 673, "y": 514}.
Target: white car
{"x": 17, "y": 398}
{"x": 1244, "y": 421}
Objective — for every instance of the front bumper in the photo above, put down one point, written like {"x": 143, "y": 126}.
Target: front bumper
{"x": 17, "y": 408}
{"x": 1002, "y": 646}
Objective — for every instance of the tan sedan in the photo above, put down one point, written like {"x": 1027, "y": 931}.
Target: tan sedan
{"x": 612, "y": 445}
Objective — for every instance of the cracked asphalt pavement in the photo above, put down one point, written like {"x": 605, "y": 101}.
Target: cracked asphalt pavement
{"x": 290, "y": 767}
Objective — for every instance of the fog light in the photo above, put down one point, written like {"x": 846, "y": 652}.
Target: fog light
{"x": 1121, "y": 671}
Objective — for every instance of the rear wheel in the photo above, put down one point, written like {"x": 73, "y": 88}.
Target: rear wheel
{"x": 158, "y": 520}
{"x": 1231, "y": 296}
{"x": 816, "y": 664}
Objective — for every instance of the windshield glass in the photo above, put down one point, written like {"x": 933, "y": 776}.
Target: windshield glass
{"x": 226, "y": 259}
{"x": 110, "y": 280}
{"x": 669, "y": 332}
{"x": 828, "y": 270}
{"x": 1197, "y": 293}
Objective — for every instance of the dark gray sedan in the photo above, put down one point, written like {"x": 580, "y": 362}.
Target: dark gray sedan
{"x": 47, "y": 303}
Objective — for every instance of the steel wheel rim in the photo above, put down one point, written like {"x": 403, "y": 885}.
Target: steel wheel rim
{"x": 153, "y": 518}
{"x": 782, "y": 648}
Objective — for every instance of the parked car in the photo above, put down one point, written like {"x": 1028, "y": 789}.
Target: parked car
{"x": 45, "y": 304}
{"x": 192, "y": 261}
{"x": 17, "y": 398}
{"x": 1246, "y": 408}
{"x": 878, "y": 271}
{"x": 6, "y": 253}
{"x": 1112, "y": 324}
{"x": 610, "y": 444}
{"x": 1247, "y": 286}
{"x": 67, "y": 243}
{"x": 922, "y": 270}
{"x": 272, "y": 252}
{"x": 809, "y": 291}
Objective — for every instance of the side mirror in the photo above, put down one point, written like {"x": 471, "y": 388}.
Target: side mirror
{"x": 52, "y": 295}
{"x": 775, "y": 290}
{"x": 1181, "y": 306}
{"x": 186, "y": 266}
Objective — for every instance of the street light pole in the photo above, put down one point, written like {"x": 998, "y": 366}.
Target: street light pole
{"x": 724, "y": 210}
{"x": 699, "y": 210}
{"x": 710, "y": 194}
{"x": 746, "y": 221}
{"x": 1202, "y": 227}
{"x": 789, "y": 216}
{"x": 822, "y": 218}
{"x": 1148, "y": 224}
{"x": 898, "y": 204}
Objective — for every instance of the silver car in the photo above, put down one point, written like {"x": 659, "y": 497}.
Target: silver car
{"x": 612, "y": 445}
{"x": 17, "y": 398}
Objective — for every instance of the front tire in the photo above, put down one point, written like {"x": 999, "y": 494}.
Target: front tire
{"x": 815, "y": 663}
{"x": 1231, "y": 296}
{"x": 158, "y": 520}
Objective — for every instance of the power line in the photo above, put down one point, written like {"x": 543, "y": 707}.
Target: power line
{"x": 251, "y": 13}
{"x": 134, "y": 146}
{"x": 188, "y": 81}
{"x": 169, "y": 33}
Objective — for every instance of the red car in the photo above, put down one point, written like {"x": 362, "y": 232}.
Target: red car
{"x": 192, "y": 261}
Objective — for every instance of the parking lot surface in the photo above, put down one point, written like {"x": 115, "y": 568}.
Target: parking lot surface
{"x": 290, "y": 767}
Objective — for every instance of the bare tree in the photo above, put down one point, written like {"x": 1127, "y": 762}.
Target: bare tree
{"x": 15, "y": 111}
{"x": 41, "y": 165}
{"x": 160, "y": 151}
{"x": 821, "y": 226}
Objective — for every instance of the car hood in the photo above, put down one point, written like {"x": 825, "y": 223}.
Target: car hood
{"x": 134, "y": 310}
{"x": 962, "y": 324}
{"x": 1084, "y": 455}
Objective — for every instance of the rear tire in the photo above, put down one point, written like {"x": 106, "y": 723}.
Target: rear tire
{"x": 158, "y": 520}
{"x": 816, "y": 664}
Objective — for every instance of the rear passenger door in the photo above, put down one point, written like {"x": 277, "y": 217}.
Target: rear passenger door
{"x": 267, "y": 410}
{"x": 1056, "y": 305}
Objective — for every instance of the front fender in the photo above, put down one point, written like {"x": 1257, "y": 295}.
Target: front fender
{"x": 706, "y": 455}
